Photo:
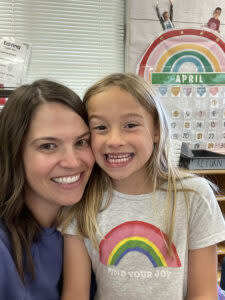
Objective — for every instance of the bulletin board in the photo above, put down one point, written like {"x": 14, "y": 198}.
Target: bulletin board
{"x": 185, "y": 65}
{"x": 187, "y": 70}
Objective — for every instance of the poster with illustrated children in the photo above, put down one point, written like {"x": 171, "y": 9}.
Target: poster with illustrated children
{"x": 186, "y": 66}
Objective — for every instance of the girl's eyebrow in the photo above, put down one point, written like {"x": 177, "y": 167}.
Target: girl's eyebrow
{"x": 123, "y": 116}
{"x": 53, "y": 139}
{"x": 94, "y": 117}
{"x": 135, "y": 115}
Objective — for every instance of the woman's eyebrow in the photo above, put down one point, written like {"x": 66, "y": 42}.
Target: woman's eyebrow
{"x": 47, "y": 138}
{"x": 53, "y": 139}
{"x": 84, "y": 134}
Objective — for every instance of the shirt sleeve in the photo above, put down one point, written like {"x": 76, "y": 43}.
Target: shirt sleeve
{"x": 71, "y": 229}
{"x": 218, "y": 25}
{"x": 171, "y": 12}
{"x": 207, "y": 225}
{"x": 160, "y": 17}
{"x": 208, "y": 23}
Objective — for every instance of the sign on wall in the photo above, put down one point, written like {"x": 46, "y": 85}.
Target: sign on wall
{"x": 14, "y": 60}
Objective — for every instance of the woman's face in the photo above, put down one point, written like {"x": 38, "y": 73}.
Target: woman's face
{"x": 57, "y": 160}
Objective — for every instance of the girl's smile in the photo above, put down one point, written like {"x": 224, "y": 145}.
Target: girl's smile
{"x": 118, "y": 159}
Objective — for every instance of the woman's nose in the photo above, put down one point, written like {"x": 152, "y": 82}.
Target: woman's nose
{"x": 70, "y": 159}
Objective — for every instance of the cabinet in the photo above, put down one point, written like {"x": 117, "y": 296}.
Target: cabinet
{"x": 218, "y": 177}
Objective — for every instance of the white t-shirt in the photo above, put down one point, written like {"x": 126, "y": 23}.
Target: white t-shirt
{"x": 133, "y": 262}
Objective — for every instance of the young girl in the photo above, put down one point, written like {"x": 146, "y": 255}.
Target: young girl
{"x": 45, "y": 163}
{"x": 150, "y": 231}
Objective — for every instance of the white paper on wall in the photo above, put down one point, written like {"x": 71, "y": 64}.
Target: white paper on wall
{"x": 14, "y": 61}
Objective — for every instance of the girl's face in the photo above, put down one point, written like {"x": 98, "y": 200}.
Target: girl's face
{"x": 122, "y": 138}
{"x": 57, "y": 160}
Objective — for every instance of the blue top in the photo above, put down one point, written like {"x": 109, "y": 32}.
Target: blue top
{"x": 47, "y": 255}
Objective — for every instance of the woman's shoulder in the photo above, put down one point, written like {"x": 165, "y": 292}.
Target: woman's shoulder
{"x": 6, "y": 255}
{"x": 4, "y": 238}
{"x": 8, "y": 273}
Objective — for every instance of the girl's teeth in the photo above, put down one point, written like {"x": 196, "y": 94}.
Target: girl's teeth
{"x": 118, "y": 158}
{"x": 67, "y": 180}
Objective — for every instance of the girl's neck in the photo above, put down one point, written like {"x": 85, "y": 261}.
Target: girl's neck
{"x": 135, "y": 187}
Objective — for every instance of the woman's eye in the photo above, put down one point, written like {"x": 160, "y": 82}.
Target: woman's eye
{"x": 48, "y": 146}
{"x": 131, "y": 125}
{"x": 83, "y": 142}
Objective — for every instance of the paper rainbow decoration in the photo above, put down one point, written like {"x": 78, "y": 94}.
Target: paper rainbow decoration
{"x": 141, "y": 237}
{"x": 184, "y": 50}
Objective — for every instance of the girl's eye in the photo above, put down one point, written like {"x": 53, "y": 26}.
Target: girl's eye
{"x": 47, "y": 146}
{"x": 83, "y": 143}
{"x": 131, "y": 125}
{"x": 99, "y": 127}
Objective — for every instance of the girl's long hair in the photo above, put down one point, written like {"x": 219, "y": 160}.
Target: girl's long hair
{"x": 159, "y": 168}
{"x": 15, "y": 119}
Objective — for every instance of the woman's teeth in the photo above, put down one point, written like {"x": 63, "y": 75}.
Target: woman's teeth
{"x": 67, "y": 180}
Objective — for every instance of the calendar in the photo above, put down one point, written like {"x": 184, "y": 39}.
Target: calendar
{"x": 186, "y": 68}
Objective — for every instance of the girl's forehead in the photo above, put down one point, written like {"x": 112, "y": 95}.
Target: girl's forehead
{"x": 118, "y": 108}
{"x": 118, "y": 99}
{"x": 110, "y": 96}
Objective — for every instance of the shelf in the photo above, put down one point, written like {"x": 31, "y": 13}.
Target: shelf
{"x": 221, "y": 249}
{"x": 5, "y": 92}
{"x": 220, "y": 198}
{"x": 204, "y": 171}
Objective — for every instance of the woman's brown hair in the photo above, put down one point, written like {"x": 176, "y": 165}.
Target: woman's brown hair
{"x": 15, "y": 119}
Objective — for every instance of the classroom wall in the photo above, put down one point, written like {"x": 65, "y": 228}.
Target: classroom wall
{"x": 142, "y": 24}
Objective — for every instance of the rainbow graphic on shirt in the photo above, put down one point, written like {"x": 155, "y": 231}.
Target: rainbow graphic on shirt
{"x": 141, "y": 237}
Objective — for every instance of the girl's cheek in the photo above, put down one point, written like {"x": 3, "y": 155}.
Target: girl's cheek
{"x": 94, "y": 143}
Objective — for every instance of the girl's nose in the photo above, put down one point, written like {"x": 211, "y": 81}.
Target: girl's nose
{"x": 115, "y": 139}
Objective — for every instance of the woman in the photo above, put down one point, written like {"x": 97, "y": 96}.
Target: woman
{"x": 45, "y": 163}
